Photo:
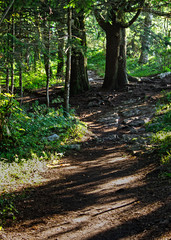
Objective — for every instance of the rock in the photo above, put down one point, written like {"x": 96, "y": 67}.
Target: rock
{"x": 128, "y": 138}
{"x": 133, "y": 130}
{"x": 130, "y": 101}
{"x": 75, "y": 147}
{"x": 141, "y": 130}
{"x": 93, "y": 104}
{"x": 137, "y": 123}
{"x": 127, "y": 121}
{"x": 131, "y": 113}
{"x": 53, "y": 137}
{"x": 111, "y": 119}
{"x": 163, "y": 75}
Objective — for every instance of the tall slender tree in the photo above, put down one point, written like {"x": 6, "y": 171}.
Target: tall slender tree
{"x": 68, "y": 64}
{"x": 145, "y": 38}
{"x": 79, "y": 77}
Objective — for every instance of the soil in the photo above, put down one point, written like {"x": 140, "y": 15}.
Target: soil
{"x": 105, "y": 190}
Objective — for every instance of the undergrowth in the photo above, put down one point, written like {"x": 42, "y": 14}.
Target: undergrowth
{"x": 31, "y": 139}
{"x": 29, "y": 131}
{"x": 161, "y": 126}
{"x": 96, "y": 62}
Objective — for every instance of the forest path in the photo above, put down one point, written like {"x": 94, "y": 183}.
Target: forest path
{"x": 103, "y": 192}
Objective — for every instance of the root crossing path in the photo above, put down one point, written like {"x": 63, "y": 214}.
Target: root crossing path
{"x": 106, "y": 189}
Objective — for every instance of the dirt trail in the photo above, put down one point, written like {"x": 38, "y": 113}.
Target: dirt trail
{"x": 103, "y": 192}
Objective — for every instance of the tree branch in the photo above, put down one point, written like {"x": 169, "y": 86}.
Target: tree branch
{"x": 100, "y": 20}
{"x": 126, "y": 25}
{"x": 157, "y": 12}
{"x": 6, "y": 11}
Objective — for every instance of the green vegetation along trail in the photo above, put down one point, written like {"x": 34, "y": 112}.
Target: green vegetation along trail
{"x": 109, "y": 189}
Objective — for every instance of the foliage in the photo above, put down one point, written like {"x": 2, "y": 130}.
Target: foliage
{"x": 7, "y": 106}
{"x": 8, "y": 210}
{"x": 30, "y": 132}
{"x": 96, "y": 62}
{"x": 161, "y": 126}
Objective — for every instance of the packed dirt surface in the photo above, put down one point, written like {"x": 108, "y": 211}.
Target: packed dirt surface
{"x": 108, "y": 188}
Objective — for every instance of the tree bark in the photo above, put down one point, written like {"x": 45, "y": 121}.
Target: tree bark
{"x": 115, "y": 69}
{"x": 112, "y": 57}
{"x": 122, "y": 74}
{"x": 145, "y": 39}
{"x": 60, "y": 67}
{"x": 79, "y": 77}
{"x": 12, "y": 58}
{"x": 68, "y": 64}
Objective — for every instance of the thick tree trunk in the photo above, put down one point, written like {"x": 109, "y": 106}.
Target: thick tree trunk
{"x": 122, "y": 75}
{"x": 111, "y": 80}
{"x": 79, "y": 77}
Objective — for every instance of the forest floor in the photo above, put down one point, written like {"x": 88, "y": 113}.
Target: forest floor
{"x": 110, "y": 189}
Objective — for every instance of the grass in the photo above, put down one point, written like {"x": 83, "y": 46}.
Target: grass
{"x": 96, "y": 62}
{"x": 34, "y": 79}
{"x": 25, "y": 150}
{"x": 144, "y": 70}
{"x": 161, "y": 126}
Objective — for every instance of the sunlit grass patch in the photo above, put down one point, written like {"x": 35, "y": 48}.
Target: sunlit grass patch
{"x": 161, "y": 126}
{"x": 24, "y": 172}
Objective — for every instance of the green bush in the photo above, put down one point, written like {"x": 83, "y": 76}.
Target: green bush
{"x": 7, "y": 107}
{"x": 7, "y": 209}
{"x": 29, "y": 132}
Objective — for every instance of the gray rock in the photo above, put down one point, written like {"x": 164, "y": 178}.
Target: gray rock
{"x": 133, "y": 130}
{"x": 53, "y": 137}
{"x": 75, "y": 147}
{"x": 141, "y": 130}
{"x": 137, "y": 123}
{"x": 163, "y": 75}
{"x": 131, "y": 113}
{"x": 110, "y": 118}
{"x": 129, "y": 138}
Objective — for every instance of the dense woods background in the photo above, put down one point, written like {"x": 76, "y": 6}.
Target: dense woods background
{"x": 34, "y": 42}
{"x": 50, "y": 43}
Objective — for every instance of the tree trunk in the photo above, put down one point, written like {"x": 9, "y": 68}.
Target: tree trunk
{"x": 7, "y": 79}
{"x": 79, "y": 77}
{"x": 60, "y": 67}
{"x": 122, "y": 75}
{"x": 12, "y": 58}
{"x": 47, "y": 60}
{"x": 68, "y": 64}
{"x": 111, "y": 80}
{"x": 145, "y": 39}
{"x": 21, "y": 82}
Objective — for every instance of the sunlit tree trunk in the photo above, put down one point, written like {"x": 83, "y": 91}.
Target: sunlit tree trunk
{"x": 145, "y": 38}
